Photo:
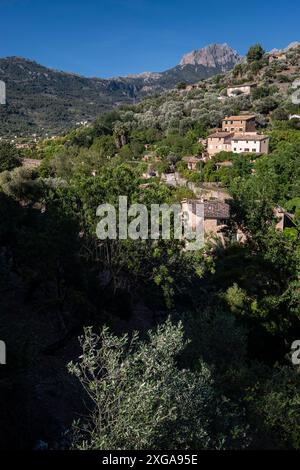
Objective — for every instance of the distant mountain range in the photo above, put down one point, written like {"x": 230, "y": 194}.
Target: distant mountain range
{"x": 41, "y": 100}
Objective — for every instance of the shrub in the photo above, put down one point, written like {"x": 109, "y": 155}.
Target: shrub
{"x": 9, "y": 157}
{"x": 142, "y": 400}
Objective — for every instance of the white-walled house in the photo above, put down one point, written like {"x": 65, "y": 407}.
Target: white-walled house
{"x": 237, "y": 143}
{"x": 237, "y": 90}
{"x": 250, "y": 143}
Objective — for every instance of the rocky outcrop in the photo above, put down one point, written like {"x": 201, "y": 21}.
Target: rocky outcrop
{"x": 218, "y": 56}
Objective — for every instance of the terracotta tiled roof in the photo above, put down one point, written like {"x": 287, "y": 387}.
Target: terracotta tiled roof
{"x": 249, "y": 137}
{"x": 216, "y": 210}
{"x": 221, "y": 135}
{"x": 212, "y": 209}
{"x": 245, "y": 117}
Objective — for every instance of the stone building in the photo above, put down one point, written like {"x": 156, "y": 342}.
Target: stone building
{"x": 243, "y": 123}
{"x": 219, "y": 142}
{"x": 192, "y": 162}
{"x": 237, "y": 90}
{"x": 238, "y": 135}
{"x": 215, "y": 216}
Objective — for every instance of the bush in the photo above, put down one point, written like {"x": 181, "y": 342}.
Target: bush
{"x": 143, "y": 400}
{"x": 9, "y": 157}
{"x": 181, "y": 86}
{"x": 21, "y": 184}
{"x": 266, "y": 105}
{"x": 279, "y": 115}
{"x": 277, "y": 404}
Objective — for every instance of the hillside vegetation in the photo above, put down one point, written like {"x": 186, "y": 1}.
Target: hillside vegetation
{"x": 210, "y": 366}
{"x": 44, "y": 101}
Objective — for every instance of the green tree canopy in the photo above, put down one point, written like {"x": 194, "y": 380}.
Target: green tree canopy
{"x": 9, "y": 156}
{"x": 255, "y": 53}
{"x": 143, "y": 400}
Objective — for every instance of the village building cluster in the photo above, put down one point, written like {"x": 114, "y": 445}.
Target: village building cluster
{"x": 238, "y": 135}
{"x": 217, "y": 216}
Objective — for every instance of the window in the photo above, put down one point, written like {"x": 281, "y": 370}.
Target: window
{"x": 247, "y": 150}
{"x": 254, "y": 150}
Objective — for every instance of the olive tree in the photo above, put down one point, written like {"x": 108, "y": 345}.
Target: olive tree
{"x": 142, "y": 399}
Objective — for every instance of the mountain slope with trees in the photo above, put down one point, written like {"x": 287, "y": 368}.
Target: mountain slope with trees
{"x": 210, "y": 367}
{"x": 42, "y": 100}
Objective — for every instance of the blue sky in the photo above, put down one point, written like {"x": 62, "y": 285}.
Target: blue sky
{"x": 117, "y": 37}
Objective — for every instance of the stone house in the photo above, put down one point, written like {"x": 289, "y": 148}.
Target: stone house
{"x": 215, "y": 216}
{"x": 238, "y": 135}
{"x": 192, "y": 162}
{"x": 218, "y": 142}
{"x": 237, "y": 90}
{"x": 243, "y": 123}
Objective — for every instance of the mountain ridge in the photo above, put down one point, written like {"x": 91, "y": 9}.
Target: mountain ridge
{"x": 42, "y": 99}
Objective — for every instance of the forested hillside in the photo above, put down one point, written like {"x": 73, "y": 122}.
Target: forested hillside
{"x": 210, "y": 366}
{"x": 44, "y": 101}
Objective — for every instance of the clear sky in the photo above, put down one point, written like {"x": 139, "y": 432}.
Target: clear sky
{"x": 117, "y": 37}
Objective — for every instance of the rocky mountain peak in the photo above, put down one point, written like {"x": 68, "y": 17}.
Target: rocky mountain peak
{"x": 219, "y": 56}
